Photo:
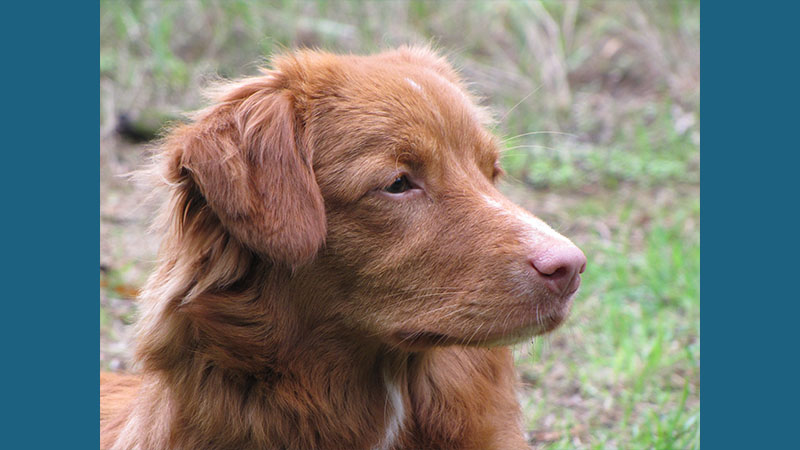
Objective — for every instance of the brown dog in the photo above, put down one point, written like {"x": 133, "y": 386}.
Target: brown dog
{"x": 338, "y": 270}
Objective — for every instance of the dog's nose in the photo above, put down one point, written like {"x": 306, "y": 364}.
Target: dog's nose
{"x": 560, "y": 267}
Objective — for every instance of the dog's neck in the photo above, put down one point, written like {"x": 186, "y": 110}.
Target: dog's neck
{"x": 280, "y": 373}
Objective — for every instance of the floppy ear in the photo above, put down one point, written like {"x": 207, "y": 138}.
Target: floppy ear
{"x": 244, "y": 156}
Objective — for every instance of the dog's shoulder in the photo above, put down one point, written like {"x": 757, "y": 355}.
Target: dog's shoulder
{"x": 117, "y": 392}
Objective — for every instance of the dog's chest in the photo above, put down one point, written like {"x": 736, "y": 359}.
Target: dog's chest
{"x": 395, "y": 413}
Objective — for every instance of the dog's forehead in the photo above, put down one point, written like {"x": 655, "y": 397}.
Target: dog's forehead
{"x": 410, "y": 108}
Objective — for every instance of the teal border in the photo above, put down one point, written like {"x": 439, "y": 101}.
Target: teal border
{"x": 50, "y": 219}
{"x": 749, "y": 206}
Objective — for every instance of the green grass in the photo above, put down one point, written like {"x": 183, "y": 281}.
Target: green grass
{"x": 599, "y": 106}
{"x": 648, "y": 152}
{"x": 632, "y": 345}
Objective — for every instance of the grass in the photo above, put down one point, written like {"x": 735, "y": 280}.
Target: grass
{"x": 650, "y": 152}
{"x": 625, "y": 370}
{"x": 598, "y": 105}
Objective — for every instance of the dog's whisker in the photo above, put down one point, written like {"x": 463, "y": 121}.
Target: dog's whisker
{"x": 428, "y": 292}
{"x": 538, "y": 318}
{"x": 508, "y": 150}
{"x": 504, "y": 325}
{"x": 469, "y": 340}
{"x": 503, "y": 118}
{"x": 422, "y": 290}
{"x": 533, "y": 133}
{"x": 428, "y": 295}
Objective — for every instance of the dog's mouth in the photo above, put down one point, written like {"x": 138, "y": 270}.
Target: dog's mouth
{"x": 421, "y": 340}
{"x": 505, "y": 332}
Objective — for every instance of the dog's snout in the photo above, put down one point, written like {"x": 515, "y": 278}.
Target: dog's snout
{"x": 560, "y": 268}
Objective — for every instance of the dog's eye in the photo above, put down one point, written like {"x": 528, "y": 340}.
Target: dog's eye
{"x": 497, "y": 171}
{"x": 400, "y": 185}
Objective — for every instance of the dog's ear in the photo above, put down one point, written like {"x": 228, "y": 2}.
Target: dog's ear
{"x": 245, "y": 158}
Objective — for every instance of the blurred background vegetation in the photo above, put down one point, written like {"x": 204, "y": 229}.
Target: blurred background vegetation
{"x": 598, "y": 103}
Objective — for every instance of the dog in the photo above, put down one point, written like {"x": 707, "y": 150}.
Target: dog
{"x": 338, "y": 269}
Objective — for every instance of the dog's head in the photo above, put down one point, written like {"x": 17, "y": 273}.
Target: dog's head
{"x": 372, "y": 180}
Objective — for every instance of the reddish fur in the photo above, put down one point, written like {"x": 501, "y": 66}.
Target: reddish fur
{"x": 290, "y": 290}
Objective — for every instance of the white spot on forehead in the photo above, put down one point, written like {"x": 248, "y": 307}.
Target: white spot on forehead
{"x": 413, "y": 84}
{"x": 492, "y": 202}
